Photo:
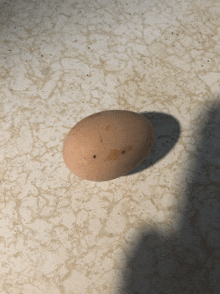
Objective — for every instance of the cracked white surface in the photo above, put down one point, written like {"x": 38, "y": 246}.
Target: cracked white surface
{"x": 153, "y": 231}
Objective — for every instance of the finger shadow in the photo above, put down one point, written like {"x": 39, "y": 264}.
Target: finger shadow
{"x": 187, "y": 260}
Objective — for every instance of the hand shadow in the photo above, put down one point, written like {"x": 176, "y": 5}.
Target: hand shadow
{"x": 167, "y": 131}
{"x": 187, "y": 262}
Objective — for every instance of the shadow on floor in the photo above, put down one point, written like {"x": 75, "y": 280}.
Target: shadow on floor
{"x": 167, "y": 131}
{"x": 187, "y": 262}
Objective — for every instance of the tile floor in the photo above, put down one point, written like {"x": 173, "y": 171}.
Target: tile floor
{"x": 153, "y": 231}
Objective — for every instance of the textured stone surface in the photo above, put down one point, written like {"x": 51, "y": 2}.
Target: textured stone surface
{"x": 155, "y": 230}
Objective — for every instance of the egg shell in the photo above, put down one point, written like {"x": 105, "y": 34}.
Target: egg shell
{"x": 108, "y": 144}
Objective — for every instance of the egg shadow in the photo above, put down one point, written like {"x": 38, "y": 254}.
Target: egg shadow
{"x": 167, "y": 131}
{"x": 186, "y": 261}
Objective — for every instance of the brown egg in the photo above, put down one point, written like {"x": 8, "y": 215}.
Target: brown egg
{"x": 108, "y": 144}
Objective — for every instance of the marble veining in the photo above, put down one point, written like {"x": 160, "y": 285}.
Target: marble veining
{"x": 153, "y": 231}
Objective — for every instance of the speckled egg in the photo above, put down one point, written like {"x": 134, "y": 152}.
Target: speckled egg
{"x": 108, "y": 144}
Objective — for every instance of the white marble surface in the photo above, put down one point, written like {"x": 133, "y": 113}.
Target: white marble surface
{"x": 156, "y": 230}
